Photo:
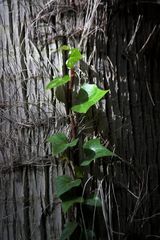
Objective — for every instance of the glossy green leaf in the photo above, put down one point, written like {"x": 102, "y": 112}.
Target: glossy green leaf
{"x": 74, "y": 56}
{"x": 75, "y": 52}
{"x": 60, "y": 143}
{"x": 94, "y": 149}
{"x": 94, "y": 201}
{"x": 65, "y": 183}
{"x": 69, "y": 229}
{"x": 71, "y": 62}
{"x": 56, "y": 82}
{"x": 66, "y": 205}
{"x": 65, "y": 48}
{"x": 89, "y": 95}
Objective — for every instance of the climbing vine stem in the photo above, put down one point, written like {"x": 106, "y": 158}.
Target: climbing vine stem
{"x": 71, "y": 189}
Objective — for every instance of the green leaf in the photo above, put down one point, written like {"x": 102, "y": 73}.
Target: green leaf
{"x": 98, "y": 148}
{"x": 89, "y": 95}
{"x": 86, "y": 162}
{"x": 65, "y": 183}
{"x": 71, "y": 62}
{"x": 94, "y": 201}
{"x": 73, "y": 143}
{"x": 69, "y": 203}
{"x": 75, "y": 52}
{"x": 65, "y": 48}
{"x": 94, "y": 149}
{"x": 60, "y": 143}
{"x": 74, "y": 56}
{"x": 56, "y": 82}
{"x": 69, "y": 229}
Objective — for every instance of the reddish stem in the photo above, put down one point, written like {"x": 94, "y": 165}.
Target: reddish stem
{"x": 71, "y": 116}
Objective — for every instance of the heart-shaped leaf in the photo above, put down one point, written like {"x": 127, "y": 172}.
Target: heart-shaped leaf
{"x": 69, "y": 229}
{"x": 60, "y": 143}
{"x": 94, "y": 149}
{"x": 75, "y": 52}
{"x": 65, "y": 183}
{"x": 74, "y": 56}
{"x": 71, "y": 62}
{"x": 66, "y": 205}
{"x": 58, "y": 81}
{"x": 89, "y": 95}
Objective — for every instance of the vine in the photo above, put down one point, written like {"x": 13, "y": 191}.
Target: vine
{"x": 70, "y": 189}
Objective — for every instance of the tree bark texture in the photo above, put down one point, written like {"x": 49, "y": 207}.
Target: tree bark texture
{"x": 121, "y": 46}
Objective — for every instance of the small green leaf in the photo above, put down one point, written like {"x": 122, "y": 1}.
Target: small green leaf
{"x": 75, "y": 52}
{"x": 65, "y": 183}
{"x": 94, "y": 149}
{"x": 74, "y": 56}
{"x": 93, "y": 201}
{"x": 56, "y": 82}
{"x": 71, "y": 62}
{"x": 65, "y": 48}
{"x": 66, "y": 205}
{"x": 89, "y": 95}
{"x": 69, "y": 229}
{"x": 60, "y": 143}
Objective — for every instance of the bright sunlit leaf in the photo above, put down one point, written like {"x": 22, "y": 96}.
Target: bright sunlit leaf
{"x": 75, "y": 52}
{"x": 71, "y": 62}
{"x": 94, "y": 149}
{"x": 74, "y": 56}
{"x": 56, "y": 82}
{"x": 89, "y": 95}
